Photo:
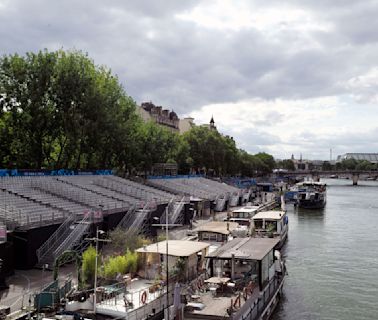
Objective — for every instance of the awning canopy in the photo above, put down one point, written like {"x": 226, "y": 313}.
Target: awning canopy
{"x": 245, "y": 248}
{"x": 176, "y": 248}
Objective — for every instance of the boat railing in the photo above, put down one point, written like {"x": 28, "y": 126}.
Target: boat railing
{"x": 254, "y": 310}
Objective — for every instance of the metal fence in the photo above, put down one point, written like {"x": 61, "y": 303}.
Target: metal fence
{"x": 52, "y": 294}
{"x": 256, "y": 309}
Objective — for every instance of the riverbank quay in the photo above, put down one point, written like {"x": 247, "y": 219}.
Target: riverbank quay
{"x": 24, "y": 285}
{"x": 267, "y": 200}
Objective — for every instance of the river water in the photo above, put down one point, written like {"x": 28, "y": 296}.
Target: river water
{"x": 332, "y": 256}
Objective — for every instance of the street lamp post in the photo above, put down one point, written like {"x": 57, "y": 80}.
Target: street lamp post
{"x": 95, "y": 279}
{"x": 96, "y": 239}
{"x": 166, "y": 225}
{"x": 166, "y": 257}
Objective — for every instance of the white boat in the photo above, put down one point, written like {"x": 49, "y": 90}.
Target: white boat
{"x": 245, "y": 280}
{"x": 271, "y": 224}
{"x": 312, "y": 195}
{"x": 243, "y": 215}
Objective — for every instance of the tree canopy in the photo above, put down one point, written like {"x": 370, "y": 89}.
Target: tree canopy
{"x": 60, "y": 110}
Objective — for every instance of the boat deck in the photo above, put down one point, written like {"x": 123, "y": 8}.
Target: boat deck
{"x": 215, "y": 307}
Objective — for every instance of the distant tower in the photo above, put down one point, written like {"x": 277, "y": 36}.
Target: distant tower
{"x": 292, "y": 156}
{"x": 212, "y": 123}
{"x": 300, "y": 159}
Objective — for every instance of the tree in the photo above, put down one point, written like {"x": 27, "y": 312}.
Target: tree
{"x": 155, "y": 144}
{"x": 349, "y": 164}
{"x": 60, "y": 110}
{"x": 364, "y": 165}
{"x": 287, "y": 164}
{"x": 127, "y": 240}
{"x": 267, "y": 160}
{"x": 210, "y": 150}
{"x": 89, "y": 265}
{"x": 326, "y": 166}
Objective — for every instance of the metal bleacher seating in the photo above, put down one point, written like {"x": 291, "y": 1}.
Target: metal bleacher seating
{"x": 201, "y": 188}
{"x": 30, "y": 202}
{"x": 74, "y": 202}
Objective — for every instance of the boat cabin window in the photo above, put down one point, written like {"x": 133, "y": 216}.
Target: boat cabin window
{"x": 271, "y": 225}
{"x": 241, "y": 222}
{"x": 209, "y": 236}
{"x": 258, "y": 224}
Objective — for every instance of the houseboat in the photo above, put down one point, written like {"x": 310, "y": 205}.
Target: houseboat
{"x": 243, "y": 215}
{"x": 312, "y": 195}
{"x": 150, "y": 291}
{"x": 245, "y": 280}
{"x": 271, "y": 224}
{"x": 216, "y": 233}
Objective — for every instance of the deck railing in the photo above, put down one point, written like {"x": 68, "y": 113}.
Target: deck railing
{"x": 255, "y": 310}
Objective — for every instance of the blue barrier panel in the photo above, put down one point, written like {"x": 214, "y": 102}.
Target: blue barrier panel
{"x": 177, "y": 177}
{"x": 60, "y": 172}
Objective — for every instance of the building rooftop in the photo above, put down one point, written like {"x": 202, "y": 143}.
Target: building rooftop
{"x": 249, "y": 209}
{"x": 273, "y": 215}
{"x": 176, "y": 248}
{"x": 245, "y": 248}
{"x": 223, "y": 227}
{"x": 371, "y": 157}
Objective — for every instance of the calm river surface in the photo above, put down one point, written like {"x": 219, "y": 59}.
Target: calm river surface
{"x": 332, "y": 256}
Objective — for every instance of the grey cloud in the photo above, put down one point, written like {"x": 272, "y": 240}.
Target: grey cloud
{"x": 254, "y": 140}
{"x": 182, "y": 66}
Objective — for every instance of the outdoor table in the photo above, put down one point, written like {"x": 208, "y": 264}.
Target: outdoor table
{"x": 217, "y": 280}
{"x": 221, "y": 281}
{"x": 195, "y": 305}
{"x": 196, "y": 297}
{"x": 213, "y": 290}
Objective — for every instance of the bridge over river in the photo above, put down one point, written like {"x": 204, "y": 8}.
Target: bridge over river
{"x": 354, "y": 175}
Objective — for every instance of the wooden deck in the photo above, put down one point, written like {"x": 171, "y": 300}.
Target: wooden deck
{"x": 216, "y": 306}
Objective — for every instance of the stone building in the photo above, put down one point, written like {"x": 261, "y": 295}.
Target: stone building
{"x": 164, "y": 117}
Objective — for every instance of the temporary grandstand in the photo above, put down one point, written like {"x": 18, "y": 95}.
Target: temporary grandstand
{"x": 220, "y": 194}
{"x": 50, "y": 214}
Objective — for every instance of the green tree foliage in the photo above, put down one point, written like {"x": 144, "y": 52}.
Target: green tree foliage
{"x": 125, "y": 241}
{"x": 364, "y": 165}
{"x": 121, "y": 264}
{"x": 208, "y": 149}
{"x": 156, "y": 144}
{"x": 60, "y": 110}
{"x": 287, "y": 164}
{"x": 267, "y": 160}
{"x": 89, "y": 265}
{"x": 353, "y": 164}
{"x": 326, "y": 165}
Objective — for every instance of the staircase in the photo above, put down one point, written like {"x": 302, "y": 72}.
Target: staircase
{"x": 8, "y": 217}
{"x": 134, "y": 221}
{"x": 127, "y": 218}
{"x": 68, "y": 236}
{"x": 234, "y": 199}
{"x": 174, "y": 212}
{"x": 220, "y": 203}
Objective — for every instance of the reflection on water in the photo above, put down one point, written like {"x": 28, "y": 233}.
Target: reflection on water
{"x": 330, "y": 254}
{"x": 309, "y": 215}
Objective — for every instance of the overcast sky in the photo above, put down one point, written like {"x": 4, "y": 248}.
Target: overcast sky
{"x": 296, "y": 76}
